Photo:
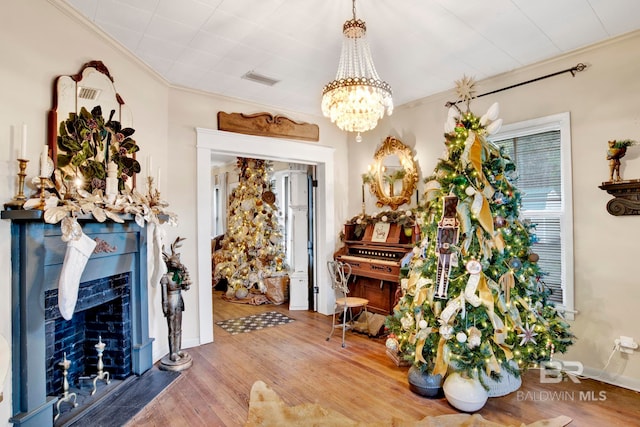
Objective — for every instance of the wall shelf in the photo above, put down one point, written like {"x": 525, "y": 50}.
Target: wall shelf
{"x": 626, "y": 199}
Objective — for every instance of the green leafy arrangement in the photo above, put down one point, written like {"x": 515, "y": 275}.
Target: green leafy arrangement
{"x": 361, "y": 221}
{"x": 86, "y": 145}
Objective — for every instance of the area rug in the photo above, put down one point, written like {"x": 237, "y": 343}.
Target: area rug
{"x": 267, "y": 409}
{"x": 255, "y": 322}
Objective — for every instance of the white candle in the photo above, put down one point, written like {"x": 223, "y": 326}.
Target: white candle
{"x": 43, "y": 160}
{"x": 23, "y": 146}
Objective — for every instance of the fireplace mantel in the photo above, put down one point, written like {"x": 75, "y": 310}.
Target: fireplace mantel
{"x": 37, "y": 254}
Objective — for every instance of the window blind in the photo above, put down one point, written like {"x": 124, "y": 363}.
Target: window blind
{"x": 538, "y": 166}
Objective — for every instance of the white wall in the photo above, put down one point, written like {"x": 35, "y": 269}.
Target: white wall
{"x": 39, "y": 41}
{"x": 604, "y": 104}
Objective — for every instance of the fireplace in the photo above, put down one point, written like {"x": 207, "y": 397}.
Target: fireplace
{"x": 112, "y": 306}
{"x": 101, "y": 314}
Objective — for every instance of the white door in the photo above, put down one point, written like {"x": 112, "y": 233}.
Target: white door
{"x": 298, "y": 236}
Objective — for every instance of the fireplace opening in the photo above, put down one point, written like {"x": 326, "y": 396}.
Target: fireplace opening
{"x": 102, "y": 313}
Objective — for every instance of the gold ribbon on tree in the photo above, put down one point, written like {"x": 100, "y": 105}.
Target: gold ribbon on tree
{"x": 480, "y": 208}
{"x": 511, "y": 312}
{"x": 440, "y": 366}
{"x": 507, "y": 282}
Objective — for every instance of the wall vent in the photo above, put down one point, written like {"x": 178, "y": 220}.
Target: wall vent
{"x": 88, "y": 93}
{"x": 259, "y": 78}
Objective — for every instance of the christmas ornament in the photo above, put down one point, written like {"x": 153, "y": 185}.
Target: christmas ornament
{"x": 392, "y": 343}
{"x": 447, "y": 236}
{"x": 475, "y": 337}
{"x": 528, "y": 335}
{"x": 461, "y": 337}
{"x": 499, "y": 221}
{"x": 494, "y": 127}
{"x": 470, "y": 191}
{"x": 242, "y": 293}
{"x": 533, "y": 257}
{"x": 491, "y": 114}
{"x": 515, "y": 263}
{"x": 463, "y": 393}
{"x": 465, "y": 88}
{"x": 460, "y": 180}
{"x": 446, "y": 331}
{"x": 269, "y": 197}
{"x": 473, "y": 267}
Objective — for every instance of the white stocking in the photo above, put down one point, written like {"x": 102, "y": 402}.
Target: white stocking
{"x": 159, "y": 268}
{"x": 78, "y": 253}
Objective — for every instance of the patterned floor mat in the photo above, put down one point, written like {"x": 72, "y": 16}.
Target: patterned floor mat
{"x": 254, "y": 322}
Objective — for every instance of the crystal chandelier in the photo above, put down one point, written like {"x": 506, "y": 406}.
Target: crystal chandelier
{"x": 357, "y": 98}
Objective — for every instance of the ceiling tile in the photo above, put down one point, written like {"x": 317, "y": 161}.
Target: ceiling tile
{"x": 419, "y": 47}
{"x": 165, "y": 29}
{"x": 188, "y": 12}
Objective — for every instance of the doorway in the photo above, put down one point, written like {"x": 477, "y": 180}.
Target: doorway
{"x": 293, "y": 210}
{"x": 277, "y": 149}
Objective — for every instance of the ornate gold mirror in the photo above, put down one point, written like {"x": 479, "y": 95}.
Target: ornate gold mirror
{"x": 393, "y": 175}
{"x": 89, "y": 128}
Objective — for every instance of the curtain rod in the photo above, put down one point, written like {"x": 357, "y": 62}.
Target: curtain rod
{"x": 573, "y": 70}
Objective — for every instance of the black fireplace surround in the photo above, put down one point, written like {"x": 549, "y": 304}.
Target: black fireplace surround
{"x": 112, "y": 304}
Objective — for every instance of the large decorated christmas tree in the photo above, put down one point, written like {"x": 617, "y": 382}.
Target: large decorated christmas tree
{"x": 252, "y": 247}
{"x": 474, "y": 298}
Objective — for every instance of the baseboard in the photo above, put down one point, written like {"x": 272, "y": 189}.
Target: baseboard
{"x": 193, "y": 342}
{"x": 159, "y": 351}
{"x": 606, "y": 377}
{"x": 617, "y": 380}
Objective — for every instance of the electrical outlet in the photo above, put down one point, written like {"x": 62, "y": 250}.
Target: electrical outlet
{"x": 626, "y": 344}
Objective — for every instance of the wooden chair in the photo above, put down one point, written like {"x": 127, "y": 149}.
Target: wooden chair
{"x": 340, "y": 273}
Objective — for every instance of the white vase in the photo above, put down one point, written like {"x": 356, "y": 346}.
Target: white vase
{"x": 465, "y": 394}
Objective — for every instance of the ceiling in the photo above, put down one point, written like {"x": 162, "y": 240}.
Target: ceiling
{"x": 420, "y": 47}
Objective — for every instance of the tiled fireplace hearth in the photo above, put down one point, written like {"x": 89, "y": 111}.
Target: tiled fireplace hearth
{"x": 112, "y": 305}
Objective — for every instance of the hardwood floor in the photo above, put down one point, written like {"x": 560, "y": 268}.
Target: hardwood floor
{"x": 359, "y": 381}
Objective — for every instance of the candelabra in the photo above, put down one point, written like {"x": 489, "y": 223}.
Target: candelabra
{"x": 20, "y": 198}
{"x": 66, "y": 396}
{"x": 102, "y": 375}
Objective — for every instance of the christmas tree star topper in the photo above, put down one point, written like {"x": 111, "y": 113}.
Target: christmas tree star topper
{"x": 466, "y": 88}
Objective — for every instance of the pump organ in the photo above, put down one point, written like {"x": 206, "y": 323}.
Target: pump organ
{"x": 376, "y": 265}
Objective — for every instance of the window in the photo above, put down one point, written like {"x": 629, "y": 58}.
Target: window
{"x": 541, "y": 150}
